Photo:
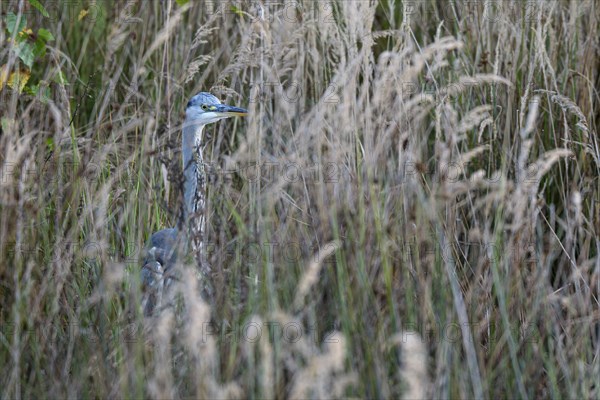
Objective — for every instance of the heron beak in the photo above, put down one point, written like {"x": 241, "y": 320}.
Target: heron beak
{"x": 229, "y": 111}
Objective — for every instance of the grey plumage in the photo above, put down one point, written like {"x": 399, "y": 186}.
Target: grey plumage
{"x": 160, "y": 258}
{"x": 201, "y": 110}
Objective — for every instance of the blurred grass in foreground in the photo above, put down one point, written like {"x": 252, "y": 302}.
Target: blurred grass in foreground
{"x": 410, "y": 210}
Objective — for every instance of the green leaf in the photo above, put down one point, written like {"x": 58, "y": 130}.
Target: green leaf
{"x": 25, "y": 53}
{"x": 237, "y": 11}
{"x": 38, "y": 6}
{"x": 41, "y": 91}
{"x": 60, "y": 78}
{"x": 39, "y": 48}
{"x": 32, "y": 90}
{"x": 50, "y": 143}
{"x": 11, "y": 21}
{"x": 45, "y": 35}
{"x": 182, "y": 2}
{"x": 44, "y": 94}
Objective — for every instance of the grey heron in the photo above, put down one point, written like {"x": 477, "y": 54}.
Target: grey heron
{"x": 202, "y": 109}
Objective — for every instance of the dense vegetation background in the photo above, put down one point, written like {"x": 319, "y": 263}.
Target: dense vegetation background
{"x": 411, "y": 209}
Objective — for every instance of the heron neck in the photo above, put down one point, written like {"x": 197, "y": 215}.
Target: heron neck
{"x": 192, "y": 165}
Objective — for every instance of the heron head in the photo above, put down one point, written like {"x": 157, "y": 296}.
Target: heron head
{"x": 204, "y": 108}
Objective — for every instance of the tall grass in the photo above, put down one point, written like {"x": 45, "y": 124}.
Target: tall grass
{"x": 411, "y": 209}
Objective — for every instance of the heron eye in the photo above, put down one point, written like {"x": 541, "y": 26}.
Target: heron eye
{"x": 204, "y": 107}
